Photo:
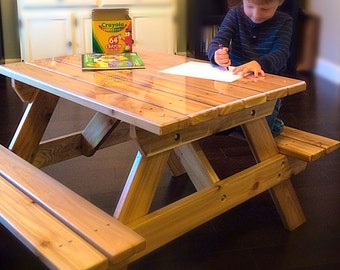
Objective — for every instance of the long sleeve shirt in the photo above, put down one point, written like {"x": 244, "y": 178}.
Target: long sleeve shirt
{"x": 268, "y": 42}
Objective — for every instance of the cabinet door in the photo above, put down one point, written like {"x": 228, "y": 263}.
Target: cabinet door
{"x": 46, "y": 35}
{"x": 84, "y": 31}
{"x": 153, "y": 30}
{"x": 117, "y": 2}
{"x": 136, "y": 2}
{"x": 45, "y": 3}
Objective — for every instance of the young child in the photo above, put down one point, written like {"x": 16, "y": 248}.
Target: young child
{"x": 255, "y": 38}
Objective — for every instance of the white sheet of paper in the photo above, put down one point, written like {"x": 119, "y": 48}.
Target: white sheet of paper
{"x": 202, "y": 70}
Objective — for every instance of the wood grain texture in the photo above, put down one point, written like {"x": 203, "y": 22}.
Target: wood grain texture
{"x": 191, "y": 211}
{"x": 108, "y": 235}
{"x": 304, "y": 145}
{"x": 152, "y": 100}
{"x": 48, "y": 238}
{"x": 284, "y": 196}
{"x": 33, "y": 125}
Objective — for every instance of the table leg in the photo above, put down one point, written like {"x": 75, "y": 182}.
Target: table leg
{"x": 263, "y": 147}
{"x": 33, "y": 124}
{"x": 141, "y": 186}
{"x": 175, "y": 164}
{"x": 197, "y": 165}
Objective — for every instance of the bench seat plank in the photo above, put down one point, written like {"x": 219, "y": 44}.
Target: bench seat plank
{"x": 304, "y": 145}
{"x": 115, "y": 240}
{"x": 49, "y": 239}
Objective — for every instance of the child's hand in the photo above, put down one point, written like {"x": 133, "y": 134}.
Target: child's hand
{"x": 222, "y": 57}
{"x": 251, "y": 67}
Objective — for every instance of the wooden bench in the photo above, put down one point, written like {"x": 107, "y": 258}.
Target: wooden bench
{"x": 56, "y": 224}
{"x": 292, "y": 142}
{"x": 48, "y": 238}
{"x": 304, "y": 145}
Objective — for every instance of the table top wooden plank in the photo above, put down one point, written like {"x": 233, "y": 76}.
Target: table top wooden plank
{"x": 171, "y": 95}
{"x": 145, "y": 92}
{"x": 273, "y": 86}
{"x": 273, "y": 81}
{"x": 202, "y": 90}
{"x": 153, "y": 118}
{"x": 152, "y": 100}
{"x": 177, "y": 85}
{"x": 252, "y": 91}
{"x": 294, "y": 85}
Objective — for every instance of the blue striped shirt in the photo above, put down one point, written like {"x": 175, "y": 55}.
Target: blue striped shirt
{"x": 268, "y": 42}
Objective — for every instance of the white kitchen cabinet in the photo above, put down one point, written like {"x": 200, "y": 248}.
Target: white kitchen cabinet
{"x": 83, "y": 32}
{"x": 42, "y": 3}
{"x": 47, "y": 35}
{"x": 61, "y": 27}
{"x": 135, "y": 2}
{"x": 154, "y": 29}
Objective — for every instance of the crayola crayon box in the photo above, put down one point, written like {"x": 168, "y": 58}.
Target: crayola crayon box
{"x": 111, "y": 31}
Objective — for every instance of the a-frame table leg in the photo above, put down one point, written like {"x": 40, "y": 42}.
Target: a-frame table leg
{"x": 263, "y": 147}
{"x": 33, "y": 124}
{"x": 141, "y": 186}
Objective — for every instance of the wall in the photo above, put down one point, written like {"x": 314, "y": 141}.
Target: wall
{"x": 328, "y": 61}
{"x": 181, "y": 31}
{"x": 10, "y": 30}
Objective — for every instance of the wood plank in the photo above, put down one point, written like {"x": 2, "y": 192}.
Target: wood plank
{"x": 264, "y": 147}
{"x": 70, "y": 146}
{"x": 150, "y": 144}
{"x": 145, "y": 92}
{"x": 120, "y": 135}
{"x": 299, "y": 149}
{"x": 260, "y": 139}
{"x": 202, "y": 90}
{"x": 108, "y": 235}
{"x": 329, "y": 145}
{"x": 135, "y": 85}
{"x": 294, "y": 86}
{"x": 250, "y": 97}
{"x": 33, "y": 125}
{"x": 260, "y": 84}
{"x": 168, "y": 60}
{"x": 197, "y": 165}
{"x": 95, "y": 133}
{"x": 25, "y": 92}
{"x": 288, "y": 205}
{"x": 140, "y": 187}
{"x": 175, "y": 164}
{"x": 157, "y": 82}
{"x": 150, "y": 117}
{"x": 304, "y": 145}
{"x": 200, "y": 207}
{"x": 49, "y": 239}
{"x": 58, "y": 149}
{"x": 273, "y": 86}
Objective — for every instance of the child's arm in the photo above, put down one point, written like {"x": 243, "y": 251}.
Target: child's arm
{"x": 222, "y": 57}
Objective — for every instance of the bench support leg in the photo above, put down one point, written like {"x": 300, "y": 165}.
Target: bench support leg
{"x": 263, "y": 147}
{"x": 288, "y": 205}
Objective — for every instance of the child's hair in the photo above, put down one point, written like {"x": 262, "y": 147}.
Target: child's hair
{"x": 232, "y": 3}
{"x": 264, "y": 1}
